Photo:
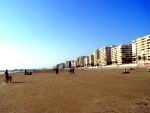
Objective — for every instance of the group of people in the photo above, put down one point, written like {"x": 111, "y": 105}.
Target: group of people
{"x": 125, "y": 71}
{"x": 71, "y": 70}
{"x": 27, "y": 73}
{"x": 8, "y": 78}
{"x": 57, "y": 70}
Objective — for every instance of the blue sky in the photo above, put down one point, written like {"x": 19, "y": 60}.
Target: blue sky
{"x": 42, "y": 33}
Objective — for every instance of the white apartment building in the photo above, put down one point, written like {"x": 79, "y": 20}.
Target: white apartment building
{"x": 77, "y": 62}
{"x": 114, "y": 55}
{"x": 96, "y": 57}
{"x": 121, "y": 54}
{"x": 86, "y": 61}
{"x": 81, "y": 61}
{"x": 61, "y": 66}
{"x": 73, "y": 63}
{"x": 68, "y": 64}
{"x": 91, "y": 59}
{"x": 105, "y": 56}
{"x": 141, "y": 48}
{"x": 134, "y": 51}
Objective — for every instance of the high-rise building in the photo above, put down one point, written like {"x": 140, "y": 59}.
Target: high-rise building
{"x": 81, "y": 61}
{"x": 96, "y": 57}
{"x": 141, "y": 48}
{"x": 61, "y": 66}
{"x": 105, "y": 55}
{"x": 91, "y": 59}
{"x": 68, "y": 64}
{"x": 86, "y": 61}
{"x": 134, "y": 51}
{"x": 73, "y": 63}
{"x": 114, "y": 55}
{"x": 121, "y": 54}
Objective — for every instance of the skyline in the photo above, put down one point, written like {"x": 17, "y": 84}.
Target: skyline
{"x": 38, "y": 34}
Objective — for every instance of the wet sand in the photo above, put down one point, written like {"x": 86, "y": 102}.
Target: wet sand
{"x": 87, "y": 91}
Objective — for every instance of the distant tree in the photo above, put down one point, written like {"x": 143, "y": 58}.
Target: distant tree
{"x": 124, "y": 60}
{"x": 134, "y": 59}
{"x": 129, "y": 60}
{"x": 115, "y": 61}
{"x": 139, "y": 57}
{"x": 144, "y": 58}
{"x": 109, "y": 62}
{"x": 92, "y": 64}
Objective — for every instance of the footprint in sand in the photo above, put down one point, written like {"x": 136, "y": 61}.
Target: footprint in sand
{"x": 148, "y": 99}
{"x": 145, "y": 102}
{"x": 142, "y": 103}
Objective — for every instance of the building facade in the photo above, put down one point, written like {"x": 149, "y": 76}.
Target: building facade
{"x": 61, "y": 66}
{"x": 105, "y": 56}
{"x": 86, "y": 61}
{"x": 68, "y": 64}
{"x": 96, "y": 57}
{"x": 81, "y": 61}
{"x": 91, "y": 60}
{"x": 73, "y": 63}
{"x": 134, "y": 52}
{"x": 121, "y": 54}
{"x": 114, "y": 55}
{"x": 124, "y": 53}
{"x": 141, "y": 48}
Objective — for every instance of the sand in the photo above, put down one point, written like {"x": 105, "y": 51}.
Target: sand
{"x": 87, "y": 91}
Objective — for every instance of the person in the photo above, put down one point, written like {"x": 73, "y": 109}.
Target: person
{"x": 10, "y": 78}
{"x": 57, "y": 70}
{"x": 6, "y": 76}
{"x": 30, "y": 73}
{"x": 25, "y": 72}
{"x": 70, "y": 69}
{"x": 125, "y": 71}
{"x": 73, "y": 70}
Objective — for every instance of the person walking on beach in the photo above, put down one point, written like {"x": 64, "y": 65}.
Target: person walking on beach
{"x": 25, "y": 72}
{"x": 73, "y": 70}
{"x": 57, "y": 70}
{"x": 10, "y": 78}
{"x": 70, "y": 69}
{"x": 6, "y": 76}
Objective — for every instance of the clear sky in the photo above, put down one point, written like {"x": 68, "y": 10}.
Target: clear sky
{"x": 42, "y": 33}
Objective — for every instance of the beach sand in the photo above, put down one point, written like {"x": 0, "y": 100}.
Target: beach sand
{"x": 87, "y": 91}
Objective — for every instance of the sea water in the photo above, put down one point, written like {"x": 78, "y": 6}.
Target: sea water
{"x": 2, "y": 73}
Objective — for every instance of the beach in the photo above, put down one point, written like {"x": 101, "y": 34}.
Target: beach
{"x": 86, "y": 91}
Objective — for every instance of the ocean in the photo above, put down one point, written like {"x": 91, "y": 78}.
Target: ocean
{"x": 3, "y": 72}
